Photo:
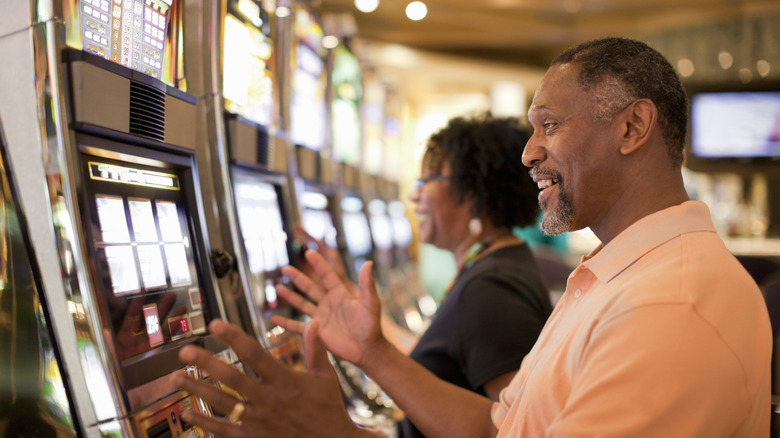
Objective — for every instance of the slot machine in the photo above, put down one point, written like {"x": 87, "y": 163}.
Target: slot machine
{"x": 315, "y": 184}
{"x": 317, "y": 213}
{"x": 246, "y": 161}
{"x": 346, "y": 92}
{"x": 307, "y": 97}
{"x": 355, "y": 227}
{"x": 309, "y": 132}
{"x": 391, "y": 216}
{"x": 366, "y": 403}
{"x": 102, "y": 136}
{"x": 34, "y": 400}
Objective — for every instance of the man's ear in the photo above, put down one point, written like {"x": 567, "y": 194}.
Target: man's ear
{"x": 640, "y": 120}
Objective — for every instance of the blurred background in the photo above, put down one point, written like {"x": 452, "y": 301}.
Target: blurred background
{"x": 429, "y": 61}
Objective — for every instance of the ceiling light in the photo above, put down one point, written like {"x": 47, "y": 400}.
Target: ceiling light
{"x": 330, "y": 41}
{"x": 725, "y": 60}
{"x": 366, "y": 5}
{"x": 685, "y": 66}
{"x": 282, "y": 12}
{"x": 763, "y": 67}
{"x": 745, "y": 75}
{"x": 416, "y": 11}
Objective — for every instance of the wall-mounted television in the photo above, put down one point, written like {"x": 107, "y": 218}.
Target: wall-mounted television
{"x": 744, "y": 124}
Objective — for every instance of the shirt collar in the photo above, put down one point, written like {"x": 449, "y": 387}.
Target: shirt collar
{"x": 646, "y": 234}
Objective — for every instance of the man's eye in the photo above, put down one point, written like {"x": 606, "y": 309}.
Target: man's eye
{"x": 548, "y": 126}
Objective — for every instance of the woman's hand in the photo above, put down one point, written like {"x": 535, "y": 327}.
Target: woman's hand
{"x": 348, "y": 318}
{"x": 331, "y": 255}
{"x": 280, "y": 402}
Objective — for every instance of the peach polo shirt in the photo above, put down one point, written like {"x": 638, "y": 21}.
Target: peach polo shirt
{"x": 661, "y": 333}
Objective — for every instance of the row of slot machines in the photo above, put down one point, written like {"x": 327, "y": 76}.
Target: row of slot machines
{"x": 155, "y": 156}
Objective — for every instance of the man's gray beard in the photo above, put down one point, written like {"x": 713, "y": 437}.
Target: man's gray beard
{"x": 558, "y": 220}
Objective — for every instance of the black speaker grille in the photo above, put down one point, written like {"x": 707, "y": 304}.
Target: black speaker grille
{"x": 264, "y": 152}
{"x": 147, "y": 111}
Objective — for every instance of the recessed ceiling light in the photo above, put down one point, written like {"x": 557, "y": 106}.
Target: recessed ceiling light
{"x": 416, "y": 10}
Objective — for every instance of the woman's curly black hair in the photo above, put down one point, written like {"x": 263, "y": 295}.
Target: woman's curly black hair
{"x": 485, "y": 155}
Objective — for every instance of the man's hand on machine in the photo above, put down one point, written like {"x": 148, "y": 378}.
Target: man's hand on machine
{"x": 348, "y": 318}
{"x": 280, "y": 402}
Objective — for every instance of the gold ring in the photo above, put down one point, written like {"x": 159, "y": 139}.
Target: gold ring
{"x": 235, "y": 414}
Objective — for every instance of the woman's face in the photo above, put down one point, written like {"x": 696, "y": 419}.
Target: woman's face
{"x": 442, "y": 221}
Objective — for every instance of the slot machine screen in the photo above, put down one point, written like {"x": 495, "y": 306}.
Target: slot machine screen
{"x": 402, "y": 228}
{"x": 347, "y": 95}
{"x": 316, "y": 218}
{"x": 308, "y": 108}
{"x": 248, "y": 61}
{"x": 381, "y": 226}
{"x": 260, "y": 217}
{"x": 140, "y": 34}
{"x": 356, "y": 229}
{"x": 145, "y": 250}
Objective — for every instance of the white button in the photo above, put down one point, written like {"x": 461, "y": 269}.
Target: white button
{"x": 577, "y": 293}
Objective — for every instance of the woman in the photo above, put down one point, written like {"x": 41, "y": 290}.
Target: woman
{"x": 473, "y": 189}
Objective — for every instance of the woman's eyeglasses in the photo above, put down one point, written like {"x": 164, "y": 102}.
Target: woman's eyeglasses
{"x": 420, "y": 182}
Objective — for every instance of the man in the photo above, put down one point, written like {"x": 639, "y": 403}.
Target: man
{"x": 660, "y": 331}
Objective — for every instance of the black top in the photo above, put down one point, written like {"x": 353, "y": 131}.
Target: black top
{"x": 487, "y": 324}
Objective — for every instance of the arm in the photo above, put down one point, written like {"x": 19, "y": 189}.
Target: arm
{"x": 349, "y": 323}
{"x": 402, "y": 339}
{"x": 494, "y": 386}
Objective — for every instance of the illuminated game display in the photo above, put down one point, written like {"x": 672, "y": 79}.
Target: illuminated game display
{"x": 317, "y": 220}
{"x": 133, "y": 33}
{"x": 347, "y": 95}
{"x": 309, "y": 81}
{"x": 248, "y": 62}
{"x": 357, "y": 232}
{"x": 265, "y": 238}
{"x": 402, "y": 228}
{"x": 381, "y": 225}
{"x": 144, "y": 250}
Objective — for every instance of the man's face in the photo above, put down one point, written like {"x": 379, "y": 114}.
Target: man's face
{"x": 570, "y": 156}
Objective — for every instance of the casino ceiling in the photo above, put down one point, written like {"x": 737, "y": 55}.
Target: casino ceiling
{"x": 531, "y": 32}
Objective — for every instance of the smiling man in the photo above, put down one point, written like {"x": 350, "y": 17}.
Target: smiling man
{"x": 660, "y": 333}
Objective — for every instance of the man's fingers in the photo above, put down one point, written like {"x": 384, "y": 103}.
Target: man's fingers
{"x": 296, "y": 300}
{"x": 246, "y": 347}
{"x": 220, "y": 427}
{"x": 220, "y": 400}
{"x": 290, "y": 325}
{"x": 304, "y": 283}
{"x": 216, "y": 368}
